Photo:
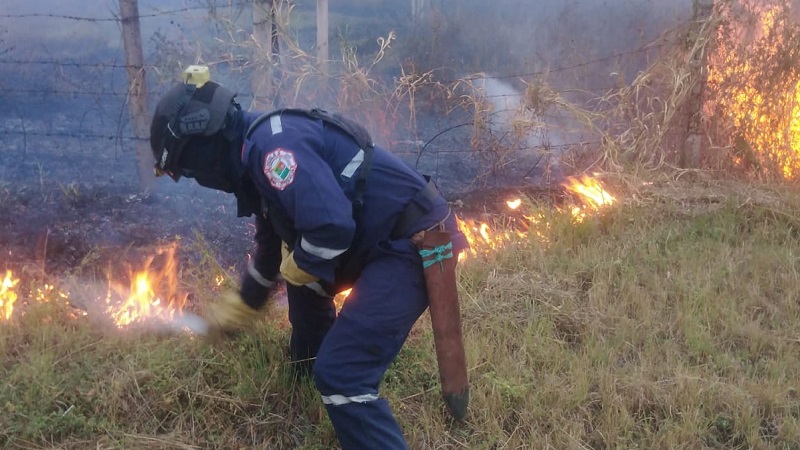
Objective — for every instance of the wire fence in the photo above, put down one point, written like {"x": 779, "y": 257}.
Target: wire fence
{"x": 120, "y": 94}
{"x": 24, "y": 128}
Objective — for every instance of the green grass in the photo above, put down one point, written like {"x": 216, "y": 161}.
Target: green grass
{"x": 671, "y": 322}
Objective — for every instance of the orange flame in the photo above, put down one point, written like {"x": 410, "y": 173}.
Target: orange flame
{"x": 483, "y": 238}
{"x": 762, "y": 105}
{"x": 153, "y": 293}
{"x": 591, "y": 193}
{"x": 340, "y": 298}
{"x": 7, "y": 295}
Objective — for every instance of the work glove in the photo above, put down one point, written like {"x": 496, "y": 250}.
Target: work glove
{"x": 293, "y": 274}
{"x": 230, "y": 312}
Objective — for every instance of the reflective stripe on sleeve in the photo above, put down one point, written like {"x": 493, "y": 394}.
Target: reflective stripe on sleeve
{"x": 338, "y": 400}
{"x": 275, "y": 123}
{"x": 353, "y": 165}
{"x": 321, "y": 252}
{"x": 251, "y": 269}
{"x": 317, "y": 288}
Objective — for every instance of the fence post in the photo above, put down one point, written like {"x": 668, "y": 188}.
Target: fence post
{"x": 322, "y": 36}
{"x": 418, "y": 9}
{"x": 137, "y": 90}
{"x": 692, "y": 150}
{"x": 267, "y": 50}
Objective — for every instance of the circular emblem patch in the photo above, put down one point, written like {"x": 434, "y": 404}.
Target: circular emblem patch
{"x": 279, "y": 168}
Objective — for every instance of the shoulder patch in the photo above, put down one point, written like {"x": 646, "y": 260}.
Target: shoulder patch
{"x": 280, "y": 167}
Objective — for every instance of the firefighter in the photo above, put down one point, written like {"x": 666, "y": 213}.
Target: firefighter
{"x": 332, "y": 211}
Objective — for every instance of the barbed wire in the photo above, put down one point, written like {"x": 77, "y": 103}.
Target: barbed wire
{"x": 647, "y": 47}
{"x": 114, "y": 137}
{"x": 96, "y": 93}
{"x": 117, "y": 19}
{"x": 640, "y": 49}
{"x": 470, "y": 78}
{"x": 61, "y": 63}
{"x": 105, "y": 137}
{"x": 11, "y": 91}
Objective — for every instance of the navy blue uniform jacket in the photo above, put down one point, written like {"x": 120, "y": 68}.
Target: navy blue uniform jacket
{"x": 305, "y": 172}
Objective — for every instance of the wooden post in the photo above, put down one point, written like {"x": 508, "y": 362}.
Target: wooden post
{"x": 137, "y": 90}
{"x": 418, "y": 8}
{"x": 264, "y": 54}
{"x": 322, "y": 36}
{"x": 692, "y": 151}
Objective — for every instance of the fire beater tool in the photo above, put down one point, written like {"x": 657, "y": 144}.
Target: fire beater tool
{"x": 439, "y": 264}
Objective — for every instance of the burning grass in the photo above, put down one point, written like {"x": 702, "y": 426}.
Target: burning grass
{"x": 668, "y": 320}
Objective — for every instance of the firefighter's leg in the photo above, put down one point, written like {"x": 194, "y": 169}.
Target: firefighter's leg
{"x": 371, "y": 328}
{"x": 311, "y": 316}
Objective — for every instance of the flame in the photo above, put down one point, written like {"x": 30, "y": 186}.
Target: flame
{"x": 590, "y": 190}
{"x": 340, "y": 298}
{"x": 591, "y": 193}
{"x": 481, "y": 237}
{"x": 153, "y": 293}
{"x": 761, "y": 99}
{"x": 7, "y": 295}
{"x": 485, "y": 238}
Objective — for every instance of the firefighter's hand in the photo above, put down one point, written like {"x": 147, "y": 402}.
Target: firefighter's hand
{"x": 230, "y": 312}
{"x": 293, "y": 274}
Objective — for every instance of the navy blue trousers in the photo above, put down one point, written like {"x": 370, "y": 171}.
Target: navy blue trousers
{"x": 354, "y": 352}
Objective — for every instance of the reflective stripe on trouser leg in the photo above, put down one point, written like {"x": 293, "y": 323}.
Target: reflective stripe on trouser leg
{"x": 374, "y": 322}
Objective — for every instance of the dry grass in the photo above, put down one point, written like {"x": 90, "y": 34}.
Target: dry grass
{"x": 670, "y": 321}
{"x": 652, "y": 326}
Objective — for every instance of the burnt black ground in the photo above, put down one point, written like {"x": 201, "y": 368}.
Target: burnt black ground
{"x": 79, "y": 228}
{"x": 71, "y": 203}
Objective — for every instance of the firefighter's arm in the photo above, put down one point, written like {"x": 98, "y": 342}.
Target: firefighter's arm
{"x": 237, "y": 309}
{"x": 262, "y": 269}
{"x": 324, "y": 219}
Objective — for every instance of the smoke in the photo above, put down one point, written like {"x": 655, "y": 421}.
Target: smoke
{"x": 532, "y": 134}
{"x": 189, "y": 322}
{"x": 96, "y": 301}
{"x": 505, "y": 101}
